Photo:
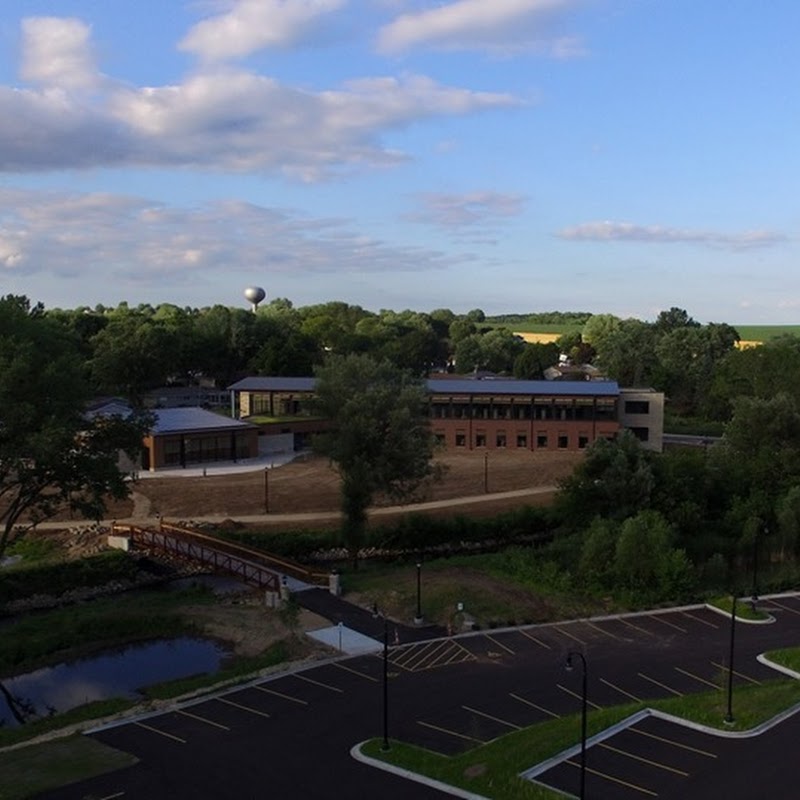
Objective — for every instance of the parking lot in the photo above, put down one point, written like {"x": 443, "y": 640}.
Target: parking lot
{"x": 452, "y": 694}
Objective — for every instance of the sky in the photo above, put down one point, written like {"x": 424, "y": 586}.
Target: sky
{"x": 609, "y": 156}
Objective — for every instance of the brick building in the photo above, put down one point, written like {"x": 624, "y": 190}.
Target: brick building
{"x": 477, "y": 414}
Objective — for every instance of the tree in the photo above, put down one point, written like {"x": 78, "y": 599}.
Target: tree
{"x": 614, "y": 481}
{"x": 598, "y": 328}
{"x": 534, "y": 359}
{"x": 645, "y": 562}
{"x": 380, "y": 441}
{"x": 51, "y": 456}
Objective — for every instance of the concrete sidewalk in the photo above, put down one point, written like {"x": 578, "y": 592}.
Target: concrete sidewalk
{"x": 361, "y": 620}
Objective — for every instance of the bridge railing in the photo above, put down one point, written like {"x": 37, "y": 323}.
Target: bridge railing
{"x": 254, "y": 566}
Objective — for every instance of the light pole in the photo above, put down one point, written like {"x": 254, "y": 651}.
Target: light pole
{"x": 729, "y": 714}
{"x": 754, "y": 598}
{"x": 418, "y": 617}
{"x": 266, "y": 490}
{"x": 485, "y": 473}
{"x": 575, "y": 654}
{"x": 385, "y": 745}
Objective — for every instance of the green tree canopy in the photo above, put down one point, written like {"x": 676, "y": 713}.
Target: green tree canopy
{"x": 51, "y": 456}
{"x": 614, "y": 481}
{"x": 380, "y": 440}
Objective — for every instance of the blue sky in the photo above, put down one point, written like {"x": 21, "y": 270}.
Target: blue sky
{"x": 612, "y": 156}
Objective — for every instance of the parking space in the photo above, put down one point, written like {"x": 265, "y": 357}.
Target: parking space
{"x": 453, "y": 694}
{"x": 650, "y": 758}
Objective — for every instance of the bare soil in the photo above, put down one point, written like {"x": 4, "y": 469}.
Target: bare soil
{"x": 248, "y": 628}
{"x": 311, "y": 485}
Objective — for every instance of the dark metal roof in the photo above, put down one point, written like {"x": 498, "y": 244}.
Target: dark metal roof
{"x": 271, "y": 384}
{"x": 493, "y": 386}
{"x": 453, "y": 386}
{"x": 184, "y": 420}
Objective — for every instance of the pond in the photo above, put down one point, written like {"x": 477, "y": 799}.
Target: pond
{"x": 119, "y": 673}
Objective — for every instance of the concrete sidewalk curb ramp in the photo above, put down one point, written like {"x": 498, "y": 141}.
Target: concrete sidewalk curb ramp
{"x": 357, "y": 753}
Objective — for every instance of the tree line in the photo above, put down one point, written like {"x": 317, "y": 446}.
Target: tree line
{"x": 128, "y": 351}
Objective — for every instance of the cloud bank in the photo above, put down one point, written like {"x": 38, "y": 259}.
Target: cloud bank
{"x": 630, "y": 232}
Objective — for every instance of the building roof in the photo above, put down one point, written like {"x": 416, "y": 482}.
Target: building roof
{"x": 185, "y": 420}
{"x": 451, "y": 386}
{"x": 271, "y": 384}
{"x": 494, "y": 386}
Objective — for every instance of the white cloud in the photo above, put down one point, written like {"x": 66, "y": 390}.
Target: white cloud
{"x": 630, "y": 232}
{"x": 56, "y": 52}
{"x": 469, "y": 210}
{"x": 218, "y": 119}
{"x": 252, "y": 25}
{"x": 114, "y": 237}
{"x": 503, "y": 26}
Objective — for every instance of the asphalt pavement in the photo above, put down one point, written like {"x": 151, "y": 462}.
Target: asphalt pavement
{"x": 291, "y": 734}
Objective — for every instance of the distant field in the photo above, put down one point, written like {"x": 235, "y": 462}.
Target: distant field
{"x": 559, "y": 329}
{"x": 763, "y": 333}
{"x": 748, "y": 333}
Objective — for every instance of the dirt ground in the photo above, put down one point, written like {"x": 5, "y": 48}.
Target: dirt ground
{"x": 309, "y": 484}
{"x": 247, "y": 628}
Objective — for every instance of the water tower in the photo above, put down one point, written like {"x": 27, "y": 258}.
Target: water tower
{"x": 254, "y": 295}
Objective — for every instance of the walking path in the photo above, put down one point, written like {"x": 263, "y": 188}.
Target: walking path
{"x": 140, "y": 517}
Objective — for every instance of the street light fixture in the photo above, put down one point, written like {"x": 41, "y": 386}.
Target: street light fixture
{"x": 584, "y": 701}
{"x": 418, "y": 618}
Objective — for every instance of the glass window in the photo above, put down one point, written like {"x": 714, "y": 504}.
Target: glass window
{"x": 522, "y": 440}
{"x": 563, "y": 441}
{"x": 541, "y": 440}
{"x": 461, "y": 440}
{"x": 500, "y": 440}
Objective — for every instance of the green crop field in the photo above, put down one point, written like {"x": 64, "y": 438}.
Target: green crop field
{"x": 763, "y": 333}
{"x": 748, "y": 333}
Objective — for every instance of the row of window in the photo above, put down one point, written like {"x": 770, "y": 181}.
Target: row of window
{"x": 197, "y": 450}
{"x": 542, "y": 440}
{"x": 549, "y": 411}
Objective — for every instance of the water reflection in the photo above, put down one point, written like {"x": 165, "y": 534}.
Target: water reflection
{"x": 114, "y": 674}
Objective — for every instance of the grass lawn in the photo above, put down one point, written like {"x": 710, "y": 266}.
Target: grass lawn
{"x": 744, "y": 609}
{"x": 27, "y": 771}
{"x": 504, "y": 589}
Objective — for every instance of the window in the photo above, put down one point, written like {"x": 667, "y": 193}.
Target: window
{"x": 642, "y": 434}
{"x": 500, "y": 441}
{"x": 541, "y": 440}
{"x": 461, "y": 440}
{"x": 439, "y": 438}
{"x": 637, "y": 407}
{"x": 522, "y": 440}
{"x": 563, "y": 441}
{"x": 480, "y": 440}
{"x": 583, "y": 442}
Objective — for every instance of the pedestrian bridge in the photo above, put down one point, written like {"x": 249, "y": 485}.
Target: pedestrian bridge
{"x": 252, "y": 566}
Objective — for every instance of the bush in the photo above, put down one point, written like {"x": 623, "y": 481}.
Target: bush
{"x": 55, "y": 578}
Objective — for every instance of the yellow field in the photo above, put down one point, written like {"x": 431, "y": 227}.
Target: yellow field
{"x": 538, "y": 338}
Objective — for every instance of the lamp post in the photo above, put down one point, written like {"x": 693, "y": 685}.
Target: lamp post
{"x": 729, "y": 714}
{"x": 385, "y": 744}
{"x": 570, "y": 656}
{"x": 485, "y": 473}
{"x": 754, "y": 598}
{"x": 266, "y": 490}
{"x": 418, "y": 618}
